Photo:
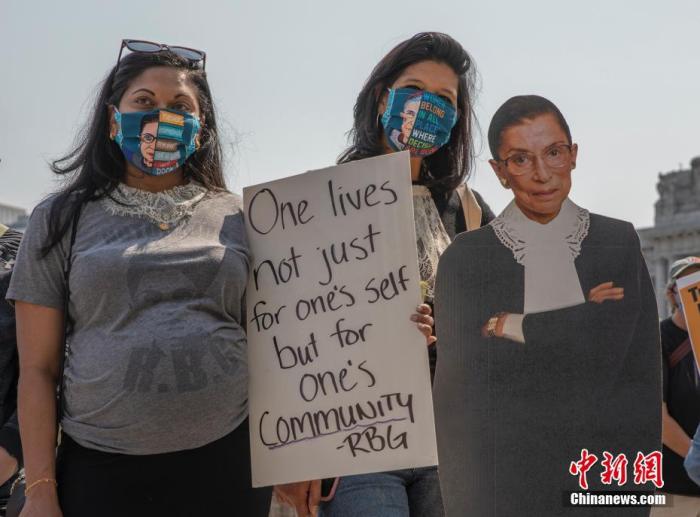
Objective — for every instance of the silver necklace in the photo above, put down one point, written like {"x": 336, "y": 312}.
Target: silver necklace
{"x": 164, "y": 209}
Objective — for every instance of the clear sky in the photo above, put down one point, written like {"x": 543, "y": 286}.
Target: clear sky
{"x": 285, "y": 75}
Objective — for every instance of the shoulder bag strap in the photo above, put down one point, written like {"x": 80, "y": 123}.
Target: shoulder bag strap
{"x": 471, "y": 208}
{"x": 679, "y": 353}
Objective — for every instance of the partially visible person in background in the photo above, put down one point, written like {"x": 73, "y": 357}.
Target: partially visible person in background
{"x": 10, "y": 447}
{"x": 681, "y": 402}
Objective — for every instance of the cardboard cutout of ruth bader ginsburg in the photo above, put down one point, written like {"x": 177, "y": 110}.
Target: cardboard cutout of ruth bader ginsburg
{"x": 549, "y": 343}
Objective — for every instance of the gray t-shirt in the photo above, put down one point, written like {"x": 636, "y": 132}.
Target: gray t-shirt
{"x": 157, "y": 360}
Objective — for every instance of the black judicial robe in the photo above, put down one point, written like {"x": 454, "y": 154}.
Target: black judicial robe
{"x": 511, "y": 417}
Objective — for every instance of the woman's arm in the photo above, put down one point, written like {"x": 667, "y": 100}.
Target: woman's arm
{"x": 673, "y": 435}
{"x": 692, "y": 460}
{"x": 39, "y": 336}
{"x": 38, "y": 290}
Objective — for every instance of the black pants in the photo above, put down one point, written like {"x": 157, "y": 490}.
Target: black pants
{"x": 211, "y": 481}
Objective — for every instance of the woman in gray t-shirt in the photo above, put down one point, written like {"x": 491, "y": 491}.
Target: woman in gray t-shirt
{"x": 155, "y": 380}
{"x": 155, "y": 388}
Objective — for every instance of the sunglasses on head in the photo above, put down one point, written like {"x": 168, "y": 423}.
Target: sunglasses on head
{"x": 190, "y": 54}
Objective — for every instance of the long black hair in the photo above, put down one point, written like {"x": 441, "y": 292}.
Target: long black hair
{"x": 451, "y": 164}
{"x": 96, "y": 165}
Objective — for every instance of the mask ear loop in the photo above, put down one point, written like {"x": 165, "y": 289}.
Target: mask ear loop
{"x": 112, "y": 120}
{"x": 198, "y": 136}
{"x": 379, "y": 114}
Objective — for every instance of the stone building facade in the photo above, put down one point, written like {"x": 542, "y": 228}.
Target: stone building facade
{"x": 13, "y": 216}
{"x": 676, "y": 230}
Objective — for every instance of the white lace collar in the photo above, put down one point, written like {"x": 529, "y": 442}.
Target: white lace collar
{"x": 165, "y": 209}
{"x": 518, "y": 233}
{"x": 547, "y": 252}
{"x": 431, "y": 238}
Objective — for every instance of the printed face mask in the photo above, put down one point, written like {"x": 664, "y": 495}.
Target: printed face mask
{"x": 417, "y": 121}
{"x": 156, "y": 142}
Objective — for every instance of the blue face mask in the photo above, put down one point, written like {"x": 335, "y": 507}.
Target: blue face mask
{"x": 417, "y": 121}
{"x": 156, "y": 142}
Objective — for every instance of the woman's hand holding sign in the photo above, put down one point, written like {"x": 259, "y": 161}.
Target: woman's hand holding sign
{"x": 425, "y": 322}
{"x": 304, "y": 497}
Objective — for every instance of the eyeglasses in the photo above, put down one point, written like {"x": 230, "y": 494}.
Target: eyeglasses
{"x": 556, "y": 157}
{"x": 190, "y": 54}
{"x": 147, "y": 138}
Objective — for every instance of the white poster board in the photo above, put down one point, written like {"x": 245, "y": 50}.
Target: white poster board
{"x": 339, "y": 376}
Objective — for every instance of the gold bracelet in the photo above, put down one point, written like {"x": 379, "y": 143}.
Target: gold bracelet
{"x": 38, "y": 481}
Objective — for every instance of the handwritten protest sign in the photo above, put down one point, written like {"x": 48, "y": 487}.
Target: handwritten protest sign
{"x": 339, "y": 378}
{"x": 689, "y": 289}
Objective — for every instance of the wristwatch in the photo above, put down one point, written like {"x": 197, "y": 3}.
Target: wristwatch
{"x": 492, "y": 324}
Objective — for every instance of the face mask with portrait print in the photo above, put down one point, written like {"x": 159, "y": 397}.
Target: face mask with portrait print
{"x": 417, "y": 121}
{"x": 156, "y": 142}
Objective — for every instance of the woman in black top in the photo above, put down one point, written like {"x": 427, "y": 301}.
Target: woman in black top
{"x": 681, "y": 394}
